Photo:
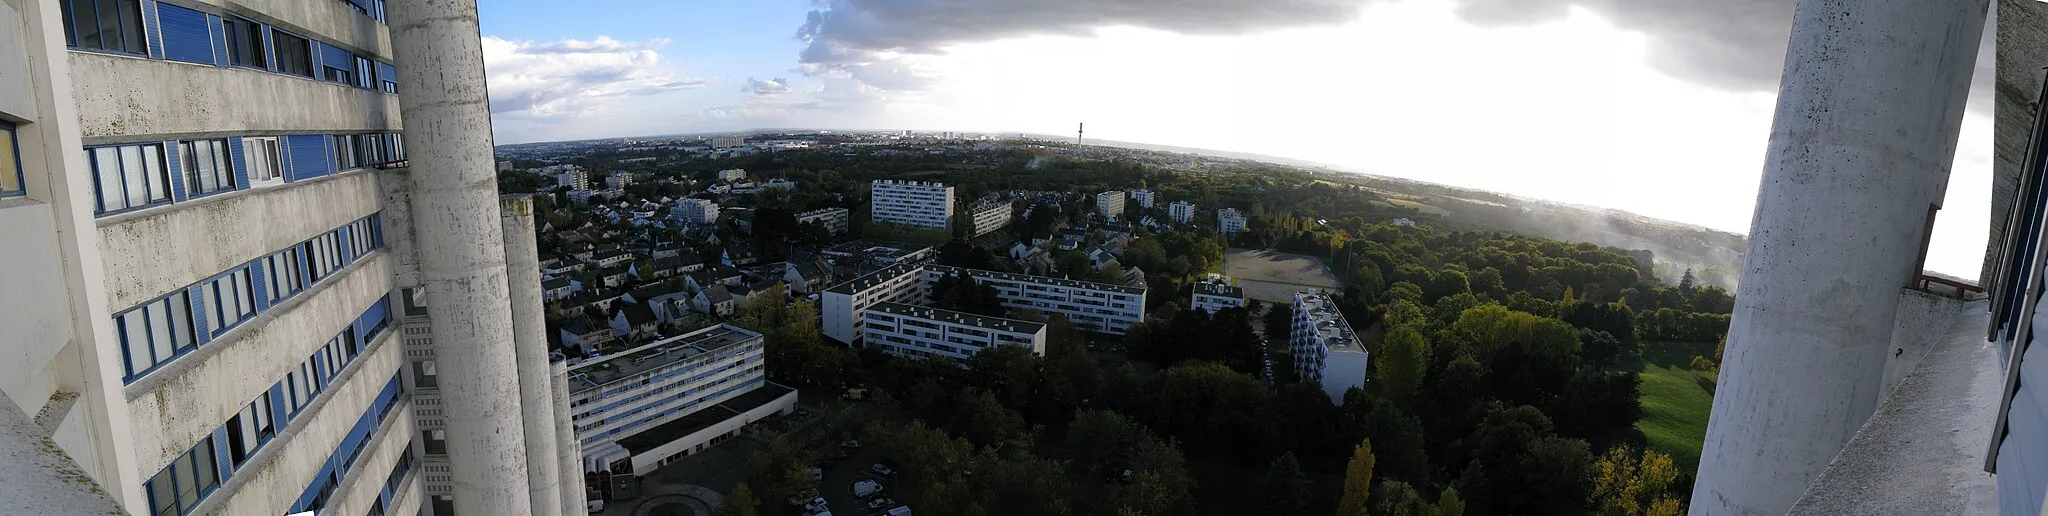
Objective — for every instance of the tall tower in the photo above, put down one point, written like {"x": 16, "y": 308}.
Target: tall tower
{"x": 1078, "y": 130}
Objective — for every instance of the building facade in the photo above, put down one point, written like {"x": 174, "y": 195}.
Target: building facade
{"x": 696, "y": 212}
{"x": 1216, "y": 295}
{"x": 834, "y": 220}
{"x": 1143, "y": 197}
{"x": 911, "y": 203}
{"x": 990, "y": 214}
{"x": 1110, "y": 204}
{"x": 1229, "y": 221}
{"x": 1325, "y": 349}
{"x": 841, "y": 305}
{"x": 925, "y": 332}
{"x": 216, "y": 287}
{"x": 574, "y": 177}
{"x": 732, "y": 174}
{"x": 1181, "y": 211}
{"x": 727, "y": 142}
{"x": 1096, "y": 307}
{"x": 643, "y": 407}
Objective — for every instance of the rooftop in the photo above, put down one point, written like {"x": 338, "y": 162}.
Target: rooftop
{"x": 703, "y": 418}
{"x": 1329, "y": 323}
{"x": 944, "y": 269}
{"x": 1218, "y": 289}
{"x": 960, "y": 318}
{"x": 600, "y": 371}
{"x": 869, "y": 280}
{"x": 876, "y": 249}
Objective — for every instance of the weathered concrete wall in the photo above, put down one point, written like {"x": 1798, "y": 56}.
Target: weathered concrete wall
{"x": 1922, "y": 322}
{"x": 36, "y": 328}
{"x": 2022, "y": 54}
{"x": 121, "y": 97}
{"x": 176, "y": 406}
{"x": 17, "y": 99}
{"x": 359, "y": 491}
{"x": 568, "y": 449}
{"x": 280, "y": 472}
{"x": 461, "y": 250}
{"x": 1865, "y": 131}
{"x": 330, "y": 20}
{"x": 224, "y": 231}
{"x": 530, "y": 337}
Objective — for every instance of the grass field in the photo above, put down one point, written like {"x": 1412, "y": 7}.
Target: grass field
{"x": 1675, "y": 406}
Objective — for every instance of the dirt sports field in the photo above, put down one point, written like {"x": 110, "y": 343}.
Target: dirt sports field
{"x": 1274, "y": 276}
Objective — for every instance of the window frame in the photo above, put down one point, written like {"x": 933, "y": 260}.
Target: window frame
{"x": 231, "y": 26}
{"x": 249, "y": 430}
{"x": 238, "y": 285}
{"x": 10, "y": 137}
{"x": 123, "y": 10}
{"x": 177, "y": 306}
{"x": 184, "y": 471}
{"x": 218, "y": 167}
{"x": 280, "y": 38}
{"x": 263, "y": 156}
{"x": 147, "y": 155}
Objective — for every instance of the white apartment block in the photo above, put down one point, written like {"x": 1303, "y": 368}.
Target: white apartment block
{"x": 727, "y": 142}
{"x": 834, "y": 220}
{"x": 1325, "y": 349}
{"x": 990, "y": 214}
{"x": 641, "y": 408}
{"x": 911, "y": 203}
{"x": 1096, "y": 307}
{"x": 696, "y": 212}
{"x": 1214, "y": 296}
{"x": 841, "y": 306}
{"x": 1143, "y": 197}
{"x": 925, "y": 332}
{"x": 1229, "y": 221}
{"x": 732, "y": 174}
{"x": 214, "y": 295}
{"x": 1181, "y": 211}
{"x": 576, "y": 178}
{"x": 1110, "y": 204}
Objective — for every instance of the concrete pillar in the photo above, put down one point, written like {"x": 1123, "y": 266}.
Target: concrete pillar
{"x": 461, "y": 250}
{"x": 569, "y": 449}
{"x": 529, "y": 336}
{"x": 1865, "y": 130}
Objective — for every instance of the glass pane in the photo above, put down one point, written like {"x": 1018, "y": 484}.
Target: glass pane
{"x": 202, "y": 167}
{"x": 108, "y": 16}
{"x": 188, "y": 488}
{"x": 213, "y": 305}
{"x": 158, "y": 315}
{"x": 135, "y": 336}
{"x": 10, "y": 167}
{"x": 181, "y": 321}
{"x": 203, "y": 465}
{"x": 131, "y": 27}
{"x": 107, "y": 162}
{"x": 244, "y": 297}
{"x": 163, "y": 497}
{"x": 159, "y": 184}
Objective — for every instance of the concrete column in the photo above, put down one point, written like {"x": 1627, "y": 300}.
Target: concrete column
{"x": 1865, "y": 130}
{"x": 569, "y": 449}
{"x": 529, "y": 336}
{"x": 461, "y": 250}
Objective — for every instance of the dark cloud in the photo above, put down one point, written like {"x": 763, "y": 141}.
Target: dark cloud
{"x": 775, "y": 86}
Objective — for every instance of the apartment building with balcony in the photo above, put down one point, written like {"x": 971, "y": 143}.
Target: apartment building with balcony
{"x": 926, "y": 332}
{"x": 1110, "y": 204}
{"x": 911, "y": 203}
{"x": 1097, "y": 307}
{"x": 833, "y": 220}
{"x": 1229, "y": 221}
{"x": 840, "y": 307}
{"x": 208, "y": 215}
{"x": 1326, "y": 351}
{"x": 1181, "y": 211}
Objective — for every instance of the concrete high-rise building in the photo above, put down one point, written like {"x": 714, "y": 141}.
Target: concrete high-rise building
{"x": 911, "y": 203}
{"x": 834, "y": 220}
{"x": 230, "y": 266}
{"x": 695, "y": 212}
{"x": 1110, "y": 204}
{"x": 1181, "y": 211}
{"x": 1325, "y": 349}
{"x": 574, "y": 177}
{"x": 727, "y": 142}
{"x": 990, "y": 214}
{"x": 1229, "y": 221}
{"x": 1143, "y": 197}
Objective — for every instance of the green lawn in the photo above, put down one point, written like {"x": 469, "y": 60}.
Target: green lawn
{"x": 1675, "y": 405}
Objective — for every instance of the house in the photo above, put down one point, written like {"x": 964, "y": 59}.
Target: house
{"x": 1018, "y": 250}
{"x": 724, "y": 274}
{"x": 613, "y": 278}
{"x": 1069, "y": 242}
{"x": 806, "y": 277}
{"x": 1099, "y": 257}
{"x": 585, "y": 334}
{"x": 635, "y": 322}
{"x": 739, "y": 257}
{"x": 556, "y": 289}
{"x": 714, "y": 300}
{"x": 1038, "y": 261}
{"x": 697, "y": 281}
{"x": 669, "y": 250}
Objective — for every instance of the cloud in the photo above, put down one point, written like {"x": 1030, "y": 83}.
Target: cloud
{"x": 572, "y": 77}
{"x": 774, "y": 86}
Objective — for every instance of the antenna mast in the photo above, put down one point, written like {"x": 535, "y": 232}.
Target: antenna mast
{"x": 1078, "y": 131}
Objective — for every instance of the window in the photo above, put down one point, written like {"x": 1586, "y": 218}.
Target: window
{"x": 249, "y": 430}
{"x": 299, "y": 390}
{"x": 294, "y": 54}
{"x": 155, "y": 333}
{"x": 346, "y": 155}
{"x": 281, "y": 275}
{"x": 129, "y": 176}
{"x": 180, "y": 486}
{"x": 10, "y": 162}
{"x": 362, "y": 237}
{"x": 436, "y": 442}
{"x": 245, "y": 42}
{"x": 337, "y": 73}
{"x": 366, "y": 73}
{"x": 424, "y": 375}
{"x": 266, "y": 164}
{"x": 229, "y": 300}
{"x": 323, "y": 255}
{"x": 114, "y": 25}
{"x": 207, "y": 168}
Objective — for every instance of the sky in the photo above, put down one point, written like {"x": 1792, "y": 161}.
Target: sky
{"x": 1657, "y": 107}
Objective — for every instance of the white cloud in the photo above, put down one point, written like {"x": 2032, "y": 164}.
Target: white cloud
{"x": 575, "y": 78}
{"x": 776, "y": 86}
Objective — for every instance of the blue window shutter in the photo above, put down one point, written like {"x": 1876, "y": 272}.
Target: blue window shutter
{"x": 347, "y": 255}
{"x": 176, "y": 167}
{"x": 259, "y": 283}
{"x": 278, "y": 412}
{"x": 309, "y": 156}
{"x": 241, "y": 162}
{"x": 202, "y": 328}
{"x": 217, "y": 34}
{"x": 153, "y": 36}
{"x": 386, "y": 72}
{"x": 269, "y": 52}
{"x": 185, "y": 34}
{"x": 221, "y": 468}
{"x": 334, "y": 56}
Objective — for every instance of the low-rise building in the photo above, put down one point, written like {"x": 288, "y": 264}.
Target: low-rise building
{"x": 878, "y": 252}
{"x": 1216, "y": 295}
{"x": 923, "y": 332}
{"x": 1097, "y": 307}
{"x": 714, "y": 300}
{"x": 1181, "y": 211}
{"x": 732, "y": 174}
{"x": 647, "y": 406}
{"x": 834, "y": 220}
{"x": 1325, "y": 349}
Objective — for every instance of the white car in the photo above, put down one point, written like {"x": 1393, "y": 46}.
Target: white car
{"x": 882, "y": 469}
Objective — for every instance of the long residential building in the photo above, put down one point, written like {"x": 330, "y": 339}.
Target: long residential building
{"x": 647, "y": 406}
{"x": 911, "y": 203}
{"x": 990, "y": 214}
{"x": 220, "y": 233}
{"x": 1325, "y": 349}
{"x": 840, "y": 307}
{"x": 1216, "y": 295}
{"x": 1097, "y": 307}
{"x": 925, "y": 332}
{"x": 834, "y": 220}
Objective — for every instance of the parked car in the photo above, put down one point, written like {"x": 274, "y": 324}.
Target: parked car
{"x": 879, "y": 503}
{"x": 899, "y": 511}
{"x": 866, "y": 488}
{"x": 882, "y": 469}
{"x": 818, "y": 473}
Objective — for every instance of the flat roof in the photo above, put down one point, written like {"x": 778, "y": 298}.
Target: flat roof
{"x": 960, "y": 318}
{"x": 1328, "y": 322}
{"x": 703, "y": 418}
{"x": 592, "y": 374}
{"x": 1126, "y": 289}
{"x": 872, "y": 248}
{"x": 869, "y": 280}
{"x": 1218, "y": 289}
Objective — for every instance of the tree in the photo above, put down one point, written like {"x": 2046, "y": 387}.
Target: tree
{"x": 780, "y": 468}
{"x": 1285, "y": 489}
{"x": 1357, "y": 481}
{"x": 740, "y": 502}
{"x": 1210, "y": 407}
{"x": 1397, "y": 498}
{"x": 1403, "y": 361}
{"x": 1448, "y": 504}
{"x": 1628, "y": 483}
{"x": 1687, "y": 283}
